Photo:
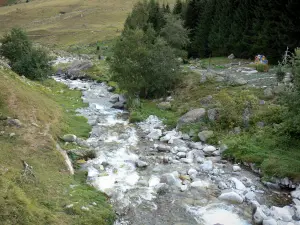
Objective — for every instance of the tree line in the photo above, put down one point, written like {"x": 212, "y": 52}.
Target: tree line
{"x": 245, "y": 28}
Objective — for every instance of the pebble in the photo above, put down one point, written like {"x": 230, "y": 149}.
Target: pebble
{"x": 236, "y": 168}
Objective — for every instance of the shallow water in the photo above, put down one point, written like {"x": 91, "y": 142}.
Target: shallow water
{"x": 133, "y": 193}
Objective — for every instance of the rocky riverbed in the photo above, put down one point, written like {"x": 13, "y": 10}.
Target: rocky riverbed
{"x": 156, "y": 176}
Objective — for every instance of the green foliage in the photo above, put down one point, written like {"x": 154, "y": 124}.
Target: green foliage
{"x": 245, "y": 28}
{"x": 231, "y": 108}
{"x": 291, "y": 100}
{"x": 175, "y": 34}
{"x": 148, "y": 108}
{"x": 32, "y": 62}
{"x": 144, "y": 66}
{"x": 280, "y": 74}
{"x": 267, "y": 151}
{"x": 261, "y": 67}
{"x": 177, "y": 10}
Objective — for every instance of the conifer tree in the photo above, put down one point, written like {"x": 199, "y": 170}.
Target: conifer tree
{"x": 177, "y": 10}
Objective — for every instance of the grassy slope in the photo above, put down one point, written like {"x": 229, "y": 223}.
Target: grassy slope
{"x": 84, "y": 21}
{"x": 42, "y": 199}
{"x": 258, "y": 145}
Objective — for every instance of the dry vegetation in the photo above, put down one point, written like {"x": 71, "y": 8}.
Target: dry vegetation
{"x": 59, "y": 23}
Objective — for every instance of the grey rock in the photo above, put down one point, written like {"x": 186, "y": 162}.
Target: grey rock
{"x": 250, "y": 196}
{"x": 143, "y": 183}
{"x": 269, "y": 221}
{"x": 196, "y": 145}
{"x": 216, "y": 153}
{"x": 268, "y": 92}
{"x": 119, "y": 105}
{"x": 83, "y": 208}
{"x": 184, "y": 188}
{"x": 222, "y": 185}
{"x": 206, "y": 166}
{"x": 237, "y": 130}
{"x": 155, "y": 134}
{"x": 170, "y": 179}
{"x": 163, "y": 148}
{"x": 141, "y": 164}
{"x": 161, "y": 188}
{"x": 208, "y": 150}
{"x": 164, "y": 105}
{"x": 69, "y": 138}
{"x": 181, "y": 154}
{"x": 114, "y": 98}
{"x": 236, "y": 168}
{"x": 297, "y": 212}
{"x": 206, "y": 100}
{"x": 238, "y": 184}
{"x": 281, "y": 214}
{"x": 192, "y": 171}
{"x": 190, "y": 155}
{"x": 200, "y": 159}
{"x": 296, "y": 194}
{"x": 111, "y": 89}
{"x": 200, "y": 184}
{"x": 76, "y": 69}
{"x": 192, "y": 116}
{"x": 259, "y": 216}
{"x": 82, "y": 143}
{"x": 213, "y": 114}
{"x": 231, "y": 197}
{"x": 185, "y": 137}
{"x": 187, "y": 161}
{"x": 205, "y": 135}
{"x": 14, "y": 122}
{"x": 231, "y": 56}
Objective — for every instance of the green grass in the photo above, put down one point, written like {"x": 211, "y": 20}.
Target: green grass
{"x": 268, "y": 151}
{"x": 82, "y": 23}
{"x": 41, "y": 199}
{"x": 148, "y": 108}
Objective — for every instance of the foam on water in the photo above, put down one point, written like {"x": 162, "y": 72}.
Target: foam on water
{"x": 216, "y": 214}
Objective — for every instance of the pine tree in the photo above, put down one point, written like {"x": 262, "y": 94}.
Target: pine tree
{"x": 200, "y": 43}
{"x": 177, "y": 10}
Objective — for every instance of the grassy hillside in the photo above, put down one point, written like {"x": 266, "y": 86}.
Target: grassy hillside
{"x": 46, "y": 112}
{"x": 63, "y": 23}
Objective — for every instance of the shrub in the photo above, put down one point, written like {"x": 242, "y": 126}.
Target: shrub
{"x": 143, "y": 65}
{"x": 231, "y": 108}
{"x": 280, "y": 74}
{"x": 262, "y": 68}
{"x": 25, "y": 59}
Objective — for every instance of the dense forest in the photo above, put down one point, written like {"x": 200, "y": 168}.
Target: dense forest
{"x": 244, "y": 28}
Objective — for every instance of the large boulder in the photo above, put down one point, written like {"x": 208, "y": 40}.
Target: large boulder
{"x": 205, "y": 135}
{"x": 155, "y": 134}
{"x": 114, "y": 98}
{"x": 231, "y": 197}
{"x": 164, "y": 105}
{"x": 192, "y": 116}
{"x": 119, "y": 105}
{"x": 235, "y": 80}
{"x": 76, "y": 69}
{"x": 259, "y": 216}
{"x": 281, "y": 214}
{"x": 69, "y": 138}
{"x": 213, "y": 114}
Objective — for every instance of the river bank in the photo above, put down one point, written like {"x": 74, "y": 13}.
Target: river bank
{"x": 168, "y": 181}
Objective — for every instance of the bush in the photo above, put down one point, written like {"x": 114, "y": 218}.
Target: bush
{"x": 280, "y": 74}
{"x": 262, "y": 68}
{"x": 25, "y": 59}
{"x": 231, "y": 108}
{"x": 143, "y": 65}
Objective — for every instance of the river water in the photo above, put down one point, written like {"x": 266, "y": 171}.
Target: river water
{"x": 137, "y": 194}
